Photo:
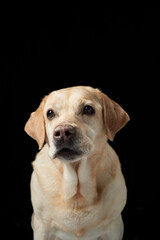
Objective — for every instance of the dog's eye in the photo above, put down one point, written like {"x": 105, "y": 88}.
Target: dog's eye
{"x": 88, "y": 110}
{"x": 50, "y": 114}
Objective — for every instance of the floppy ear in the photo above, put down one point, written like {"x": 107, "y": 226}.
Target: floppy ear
{"x": 114, "y": 116}
{"x": 35, "y": 126}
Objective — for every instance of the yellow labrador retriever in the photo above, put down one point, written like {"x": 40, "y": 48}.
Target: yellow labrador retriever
{"x": 77, "y": 187}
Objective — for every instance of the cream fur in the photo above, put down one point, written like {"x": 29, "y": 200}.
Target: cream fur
{"x": 81, "y": 199}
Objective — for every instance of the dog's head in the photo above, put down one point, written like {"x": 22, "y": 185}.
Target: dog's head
{"x": 74, "y": 121}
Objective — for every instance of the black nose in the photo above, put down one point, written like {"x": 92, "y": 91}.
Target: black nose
{"x": 64, "y": 132}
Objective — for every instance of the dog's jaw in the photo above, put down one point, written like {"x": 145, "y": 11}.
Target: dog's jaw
{"x": 52, "y": 151}
{"x": 54, "y": 154}
{"x": 82, "y": 149}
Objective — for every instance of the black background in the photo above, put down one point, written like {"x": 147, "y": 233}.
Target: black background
{"x": 114, "y": 48}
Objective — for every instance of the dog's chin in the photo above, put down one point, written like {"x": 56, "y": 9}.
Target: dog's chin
{"x": 66, "y": 154}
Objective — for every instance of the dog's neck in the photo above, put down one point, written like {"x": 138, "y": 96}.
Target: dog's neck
{"x": 79, "y": 179}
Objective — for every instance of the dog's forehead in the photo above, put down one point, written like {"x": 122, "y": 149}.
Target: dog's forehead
{"x": 72, "y": 94}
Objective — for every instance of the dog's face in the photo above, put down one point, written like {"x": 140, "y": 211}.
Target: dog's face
{"x": 75, "y": 122}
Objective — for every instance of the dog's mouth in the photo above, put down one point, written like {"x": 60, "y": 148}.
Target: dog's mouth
{"x": 68, "y": 154}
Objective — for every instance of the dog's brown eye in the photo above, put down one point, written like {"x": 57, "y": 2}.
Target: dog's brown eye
{"x": 88, "y": 110}
{"x": 50, "y": 114}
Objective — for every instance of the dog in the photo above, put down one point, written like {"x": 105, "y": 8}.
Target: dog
{"x": 77, "y": 188}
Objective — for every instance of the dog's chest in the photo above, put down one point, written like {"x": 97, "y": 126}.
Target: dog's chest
{"x": 83, "y": 234}
{"x": 76, "y": 230}
{"x": 74, "y": 203}
{"x": 69, "y": 200}
{"x": 76, "y": 222}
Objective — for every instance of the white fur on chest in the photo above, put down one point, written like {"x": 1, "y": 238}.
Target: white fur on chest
{"x": 52, "y": 191}
{"x": 90, "y": 234}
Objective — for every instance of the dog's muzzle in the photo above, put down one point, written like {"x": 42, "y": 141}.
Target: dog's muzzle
{"x": 65, "y": 140}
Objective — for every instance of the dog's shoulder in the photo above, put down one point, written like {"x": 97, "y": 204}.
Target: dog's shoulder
{"x": 47, "y": 172}
{"x": 108, "y": 166}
